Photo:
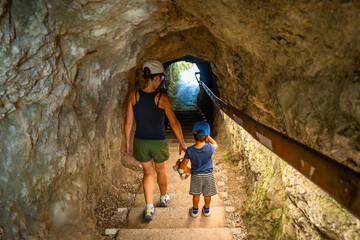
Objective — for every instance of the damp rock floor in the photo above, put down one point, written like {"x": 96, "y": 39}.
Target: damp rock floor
{"x": 113, "y": 211}
{"x": 119, "y": 212}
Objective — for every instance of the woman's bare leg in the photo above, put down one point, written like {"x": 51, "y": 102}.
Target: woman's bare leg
{"x": 148, "y": 181}
{"x": 162, "y": 178}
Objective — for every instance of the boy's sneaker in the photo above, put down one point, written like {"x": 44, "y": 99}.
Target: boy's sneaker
{"x": 165, "y": 200}
{"x": 148, "y": 214}
{"x": 206, "y": 211}
{"x": 194, "y": 212}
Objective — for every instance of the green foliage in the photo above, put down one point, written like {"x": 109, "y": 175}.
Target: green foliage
{"x": 181, "y": 67}
{"x": 276, "y": 231}
{"x": 262, "y": 193}
{"x": 226, "y": 156}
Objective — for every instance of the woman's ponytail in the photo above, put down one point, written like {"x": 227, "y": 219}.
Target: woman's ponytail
{"x": 147, "y": 73}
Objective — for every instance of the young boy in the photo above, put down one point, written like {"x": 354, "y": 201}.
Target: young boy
{"x": 202, "y": 177}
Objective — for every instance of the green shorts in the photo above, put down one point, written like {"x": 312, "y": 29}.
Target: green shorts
{"x": 145, "y": 150}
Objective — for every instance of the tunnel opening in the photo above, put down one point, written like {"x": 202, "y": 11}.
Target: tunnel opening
{"x": 184, "y": 91}
{"x": 182, "y": 86}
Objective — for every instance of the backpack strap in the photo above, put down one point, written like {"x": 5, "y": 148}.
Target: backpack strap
{"x": 159, "y": 99}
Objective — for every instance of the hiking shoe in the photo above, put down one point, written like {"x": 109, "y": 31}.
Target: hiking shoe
{"x": 194, "y": 212}
{"x": 148, "y": 214}
{"x": 206, "y": 211}
{"x": 164, "y": 201}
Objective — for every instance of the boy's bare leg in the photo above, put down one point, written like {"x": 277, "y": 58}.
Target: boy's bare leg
{"x": 148, "y": 181}
{"x": 207, "y": 201}
{"x": 196, "y": 201}
{"x": 162, "y": 178}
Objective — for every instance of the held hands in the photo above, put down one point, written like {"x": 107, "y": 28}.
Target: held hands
{"x": 129, "y": 148}
{"x": 182, "y": 147}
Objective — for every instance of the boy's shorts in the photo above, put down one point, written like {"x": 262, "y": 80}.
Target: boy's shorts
{"x": 203, "y": 183}
{"x": 145, "y": 150}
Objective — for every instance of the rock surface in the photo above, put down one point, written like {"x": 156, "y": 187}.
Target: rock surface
{"x": 66, "y": 67}
{"x": 281, "y": 202}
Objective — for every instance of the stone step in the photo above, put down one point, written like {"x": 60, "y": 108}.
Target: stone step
{"x": 189, "y": 114}
{"x": 174, "y": 147}
{"x": 174, "y": 150}
{"x": 178, "y": 217}
{"x": 174, "y": 178}
{"x": 190, "y": 120}
{"x": 188, "y": 135}
{"x": 185, "y": 133}
{"x": 176, "y": 234}
{"x": 177, "y": 200}
{"x": 187, "y": 127}
{"x": 175, "y": 184}
{"x": 175, "y": 140}
{"x": 188, "y": 111}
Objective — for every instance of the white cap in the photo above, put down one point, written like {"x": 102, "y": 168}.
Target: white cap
{"x": 154, "y": 66}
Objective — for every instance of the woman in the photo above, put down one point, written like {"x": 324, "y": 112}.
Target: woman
{"x": 149, "y": 107}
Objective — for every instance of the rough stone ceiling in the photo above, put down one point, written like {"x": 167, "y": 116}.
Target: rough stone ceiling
{"x": 66, "y": 67}
{"x": 274, "y": 53}
{"x": 267, "y": 50}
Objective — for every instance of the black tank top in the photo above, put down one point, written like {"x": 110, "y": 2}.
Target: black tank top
{"x": 149, "y": 117}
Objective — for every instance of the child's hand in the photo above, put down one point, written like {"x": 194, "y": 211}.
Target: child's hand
{"x": 212, "y": 141}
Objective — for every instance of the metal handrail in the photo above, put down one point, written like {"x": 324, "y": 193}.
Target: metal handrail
{"x": 341, "y": 182}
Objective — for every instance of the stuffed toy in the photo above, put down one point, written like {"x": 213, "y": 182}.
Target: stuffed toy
{"x": 182, "y": 169}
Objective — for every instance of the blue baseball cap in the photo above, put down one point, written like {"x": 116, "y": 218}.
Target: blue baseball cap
{"x": 201, "y": 126}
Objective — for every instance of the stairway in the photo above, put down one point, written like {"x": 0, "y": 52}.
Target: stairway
{"x": 175, "y": 222}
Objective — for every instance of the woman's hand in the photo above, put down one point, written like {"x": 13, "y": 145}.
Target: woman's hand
{"x": 129, "y": 148}
{"x": 182, "y": 147}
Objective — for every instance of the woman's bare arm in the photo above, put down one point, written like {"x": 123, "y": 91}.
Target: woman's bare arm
{"x": 129, "y": 120}
{"x": 175, "y": 124}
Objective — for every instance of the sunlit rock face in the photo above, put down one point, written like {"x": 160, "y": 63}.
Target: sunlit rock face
{"x": 281, "y": 202}
{"x": 66, "y": 67}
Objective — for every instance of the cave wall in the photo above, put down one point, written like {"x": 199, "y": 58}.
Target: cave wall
{"x": 294, "y": 67}
{"x": 281, "y": 203}
{"x": 61, "y": 118}
{"x": 66, "y": 68}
